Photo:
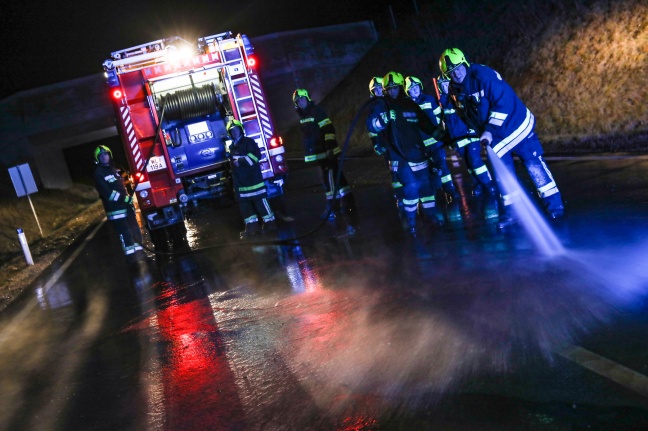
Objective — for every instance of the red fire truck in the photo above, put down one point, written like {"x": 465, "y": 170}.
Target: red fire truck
{"x": 172, "y": 101}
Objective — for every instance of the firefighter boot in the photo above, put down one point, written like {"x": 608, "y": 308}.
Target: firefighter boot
{"x": 269, "y": 226}
{"x": 349, "y": 213}
{"x": 506, "y": 218}
{"x": 450, "y": 192}
{"x": 251, "y": 229}
{"x": 411, "y": 223}
{"x": 554, "y": 206}
{"x": 402, "y": 215}
{"x": 331, "y": 210}
{"x": 434, "y": 217}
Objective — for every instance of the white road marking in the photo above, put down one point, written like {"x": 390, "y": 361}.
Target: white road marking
{"x": 624, "y": 376}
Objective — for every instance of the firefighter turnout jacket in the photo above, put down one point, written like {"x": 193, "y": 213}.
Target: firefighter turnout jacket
{"x": 112, "y": 191}
{"x": 431, "y": 108}
{"x": 402, "y": 119}
{"x": 244, "y": 154}
{"x": 318, "y": 133}
{"x": 491, "y": 105}
{"x": 458, "y": 134}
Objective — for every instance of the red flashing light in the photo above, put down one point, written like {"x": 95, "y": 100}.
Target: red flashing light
{"x": 251, "y": 62}
{"x": 117, "y": 94}
{"x": 276, "y": 141}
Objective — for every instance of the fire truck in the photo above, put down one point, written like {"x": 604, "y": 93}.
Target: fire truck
{"x": 172, "y": 101}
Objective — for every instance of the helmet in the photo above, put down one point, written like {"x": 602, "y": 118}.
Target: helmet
{"x": 442, "y": 79}
{"x": 300, "y": 92}
{"x": 451, "y": 59}
{"x": 392, "y": 79}
{"x": 234, "y": 123}
{"x": 376, "y": 81}
{"x": 412, "y": 81}
{"x": 101, "y": 149}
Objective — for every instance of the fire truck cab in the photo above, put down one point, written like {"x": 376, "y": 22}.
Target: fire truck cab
{"x": 172, "y": 101}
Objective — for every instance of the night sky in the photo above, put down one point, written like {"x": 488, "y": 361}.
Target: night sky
{"x": 44, "y": 42}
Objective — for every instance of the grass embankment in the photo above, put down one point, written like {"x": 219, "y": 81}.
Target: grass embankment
{"x": 54, "y": 209}
{"x": 580, "y": 66}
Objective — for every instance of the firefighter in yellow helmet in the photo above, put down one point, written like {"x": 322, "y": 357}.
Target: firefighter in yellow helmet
{"x": 117, "y": 203}
{"x": 401, "y": 120}
{"x": 466, "y": 143}
{"x": 380, "y": 143}
{"x": 249, "y": 187}
{"x": 434, "y": 148}
{"x": 321, "y": 147}
{"x": 492, "y": 108}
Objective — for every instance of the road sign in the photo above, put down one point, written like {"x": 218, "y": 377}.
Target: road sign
{"x": 23, "y": 180}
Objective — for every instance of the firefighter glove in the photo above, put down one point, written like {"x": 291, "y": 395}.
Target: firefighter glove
{"x": 384, "y": 118}
{"x": 486, "y": 138}
{"x": 128, "y": 199}
{"x": 379, "y": 149}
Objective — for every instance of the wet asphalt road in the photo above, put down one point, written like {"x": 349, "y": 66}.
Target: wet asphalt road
{"x": 462, "y": 329}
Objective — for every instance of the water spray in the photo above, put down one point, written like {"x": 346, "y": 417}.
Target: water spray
{"x": 525, "y": 211}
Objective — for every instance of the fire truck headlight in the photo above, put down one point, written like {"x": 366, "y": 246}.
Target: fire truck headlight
{"x": 279, "y": 158}
{"x": 144, "y": 194}
{"x": 182, "y": 197}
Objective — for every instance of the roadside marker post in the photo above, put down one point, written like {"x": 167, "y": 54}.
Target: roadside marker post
{"x": 25, "y": 246}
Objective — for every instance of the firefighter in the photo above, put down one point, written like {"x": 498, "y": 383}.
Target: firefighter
{"x": 466, "y": 142}
{"x": 249, "y": 188}
{"x": 490, "y": 106}
{"x": 320, "y": 145}
{"x": 400, "y": 119}
{"x": 117, "y": 203}
{"x": 380, "y": 144}
{"x": 434, "y": 148}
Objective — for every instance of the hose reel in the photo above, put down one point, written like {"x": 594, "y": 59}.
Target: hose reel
{"x": 191, "y": 102}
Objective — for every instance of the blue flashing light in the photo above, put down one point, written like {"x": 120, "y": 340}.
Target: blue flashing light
{"x": 112, "y": 79}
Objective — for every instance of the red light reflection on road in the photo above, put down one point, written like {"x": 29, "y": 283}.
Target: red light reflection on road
{"x": 200, "y": 391}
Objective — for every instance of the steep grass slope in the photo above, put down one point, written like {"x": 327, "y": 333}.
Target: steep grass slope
{"x": 579, "y": 65}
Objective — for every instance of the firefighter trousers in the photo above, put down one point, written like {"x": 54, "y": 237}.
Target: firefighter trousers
{"x": 252, "y": 209}
{"x": 330, "y": 169}
{"x": 530, "y": 153}
{"x": 128, "y": 230}
{"x": 471, "y": 153}
{"x": 440, "y": 163}
{"x": 417, "y": 188}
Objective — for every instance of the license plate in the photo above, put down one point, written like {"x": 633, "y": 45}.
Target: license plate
{"x": 156, "y": 163}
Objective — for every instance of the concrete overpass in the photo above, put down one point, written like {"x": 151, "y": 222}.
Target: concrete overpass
{"x": 55, "y": 128}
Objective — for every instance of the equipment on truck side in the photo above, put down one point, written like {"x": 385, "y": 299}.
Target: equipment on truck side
{"x": 172, "y": 101}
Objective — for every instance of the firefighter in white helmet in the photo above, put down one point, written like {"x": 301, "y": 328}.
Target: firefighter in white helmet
{"x": 490, "y": 106}
{"x": 117, "y": 203}
{"x": 249, "y": 188}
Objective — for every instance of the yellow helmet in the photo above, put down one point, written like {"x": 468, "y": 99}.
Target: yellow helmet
{"x": 300, "y": 92}
{"x": 234, "y": 123}
{"x": 451, "y": 59}
{"x": 442, "y": 79}
{"x": 412, "y": 81}
{"x": 101, "y": 149}
{"x": 375, "y": 82}
{"x": 392, "y": 79}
